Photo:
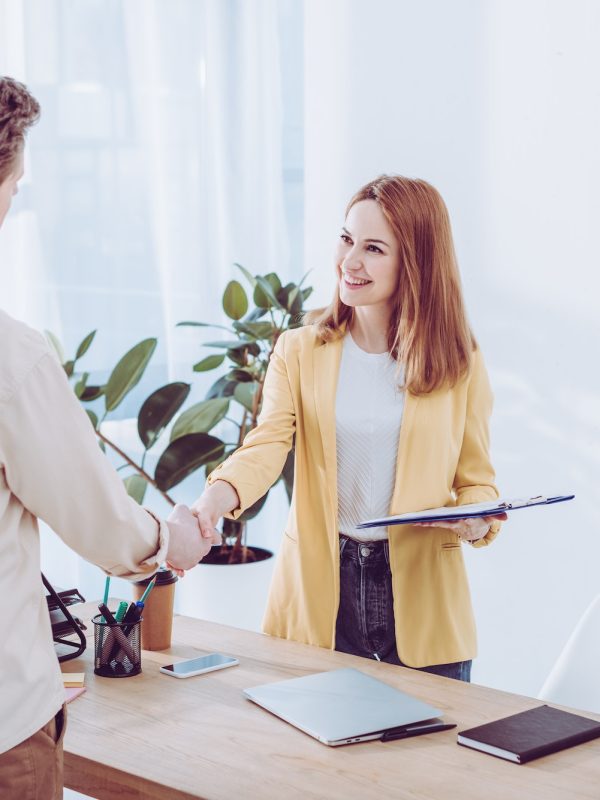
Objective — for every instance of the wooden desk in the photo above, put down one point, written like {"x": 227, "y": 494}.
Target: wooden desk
{"x": 153, "y": 736}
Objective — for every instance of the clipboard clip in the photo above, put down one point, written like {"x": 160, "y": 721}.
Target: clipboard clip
{"x": 533, "y": 501}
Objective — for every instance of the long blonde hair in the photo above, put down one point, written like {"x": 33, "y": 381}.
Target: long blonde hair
{"x": 429, "y": 334}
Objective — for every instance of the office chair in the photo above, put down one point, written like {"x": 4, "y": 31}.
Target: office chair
{"x": 575, "y": 678}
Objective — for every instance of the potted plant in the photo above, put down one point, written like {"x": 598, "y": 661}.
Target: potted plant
{"x": 242, "y": 356}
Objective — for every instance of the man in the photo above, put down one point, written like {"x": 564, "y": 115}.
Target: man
{"x": 51, "y": 467}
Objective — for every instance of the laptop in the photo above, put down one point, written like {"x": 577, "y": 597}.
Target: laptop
{"x": 344, "y": 706}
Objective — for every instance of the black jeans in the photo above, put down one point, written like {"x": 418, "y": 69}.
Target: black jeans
{"x": 365, "y": 622}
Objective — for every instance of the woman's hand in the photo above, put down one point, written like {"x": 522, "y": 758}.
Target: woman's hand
{"x": 469, "y": 530}
{"x": 215, "y": 501}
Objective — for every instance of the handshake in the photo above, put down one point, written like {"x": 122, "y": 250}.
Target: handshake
{"x": 188, "y": 542}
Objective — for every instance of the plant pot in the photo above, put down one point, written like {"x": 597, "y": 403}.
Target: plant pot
{"x": 230, "y": 594}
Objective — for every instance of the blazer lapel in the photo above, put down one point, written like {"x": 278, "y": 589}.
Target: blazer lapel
{"x": 327, "y": 359}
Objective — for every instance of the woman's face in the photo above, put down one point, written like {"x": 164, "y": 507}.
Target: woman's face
{"x": 9, "y": 187}
{"x": 367, "y": 258}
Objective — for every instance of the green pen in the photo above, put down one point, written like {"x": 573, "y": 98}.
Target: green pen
{"x": 106, "y": 588}
{"x": 123, "y": 605}
{"x": 142, "y": 600}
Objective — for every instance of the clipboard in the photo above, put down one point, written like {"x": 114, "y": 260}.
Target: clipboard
{"x": 468, "y": 511}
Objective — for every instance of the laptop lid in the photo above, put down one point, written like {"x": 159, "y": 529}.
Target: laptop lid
{"x": 340, "y": 706}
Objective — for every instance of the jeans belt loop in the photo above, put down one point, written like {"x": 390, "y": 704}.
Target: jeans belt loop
{"x": 343, "y": 542}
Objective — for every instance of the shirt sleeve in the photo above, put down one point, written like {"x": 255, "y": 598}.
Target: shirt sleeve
{"x": 55, "y": 468}
{"x": 257, "y": 464}
{"x": 474, "y": 481}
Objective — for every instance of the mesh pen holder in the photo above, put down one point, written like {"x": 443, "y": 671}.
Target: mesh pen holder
{"x": 117, "y": 648}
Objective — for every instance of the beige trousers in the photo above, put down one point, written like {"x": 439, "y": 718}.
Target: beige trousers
{"x": 33, "y": 769}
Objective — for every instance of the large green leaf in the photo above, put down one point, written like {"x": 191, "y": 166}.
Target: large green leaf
{"x": 212, "y": 465}
{"x": 244, "y": 393}
{"x": 249, "y": 277}
{"x": 184, "y": 456}
{"x": 79, "y": 387}
{"x": 93, "y": 418}
{"x": 92, "y": 393}
{"x": 258, "y": 330}
{"x": 128, "y": 372}
{"x": 251, "y": 512}
{"x": 208, "y": 363}
{"x": 265, "y": 293}
{"x": 235, "y": 301}
{"x": 189, "y": 324}
{"x": 252, "y": 348}
{"x": 136, "y": 487}
{"x": 56, "y": 345}
{"x": 294, "y": 301}
{"x": 225, "y": 386}
{"x": 230, "y": 344}
{"x": 290, "y": 298}
{"x": 159, "y": 409}
{"x": 201, "y": 417}
{"x": 255, "y": 314}
{"x": 85, "y": 345}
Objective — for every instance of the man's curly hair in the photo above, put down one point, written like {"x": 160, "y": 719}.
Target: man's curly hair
{"x": 18, "y": 111}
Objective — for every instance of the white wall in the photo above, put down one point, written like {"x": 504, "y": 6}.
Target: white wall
{"x": 496, "y": 103}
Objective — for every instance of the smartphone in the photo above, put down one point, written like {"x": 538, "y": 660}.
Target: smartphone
{"x": 197, "y": 666}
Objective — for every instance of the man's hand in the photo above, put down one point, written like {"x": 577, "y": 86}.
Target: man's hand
{"x": 187, "y": 544}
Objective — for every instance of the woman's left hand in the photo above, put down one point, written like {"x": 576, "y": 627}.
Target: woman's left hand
{"x": 469, "y": 530}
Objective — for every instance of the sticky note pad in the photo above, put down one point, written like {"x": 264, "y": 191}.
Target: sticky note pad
{"x": 73, "y": 679}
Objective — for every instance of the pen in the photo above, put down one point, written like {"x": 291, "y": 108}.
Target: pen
{"x": 416, "y": 730}
{"x": 149, "y": 588}
{"x": 106, "y": 588}
{"x": 121, "y": 611}
{"x": 107, "y": 614}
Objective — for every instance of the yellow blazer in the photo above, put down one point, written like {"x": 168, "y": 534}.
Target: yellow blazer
{"x": 442, "y": 460}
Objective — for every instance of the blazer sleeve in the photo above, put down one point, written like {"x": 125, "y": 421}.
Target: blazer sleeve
{"x": 52, "y": 464}
{"x": 474, "y": 481}
{"x": 255, "y": 466}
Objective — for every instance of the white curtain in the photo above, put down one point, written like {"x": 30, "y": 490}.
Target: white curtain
{"x": 156, "y": 164}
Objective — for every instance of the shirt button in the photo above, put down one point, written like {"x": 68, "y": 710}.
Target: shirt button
{"x": 365, "y": 551}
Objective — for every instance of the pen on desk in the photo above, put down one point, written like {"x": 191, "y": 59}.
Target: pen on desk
{"x": 416, "y": 730}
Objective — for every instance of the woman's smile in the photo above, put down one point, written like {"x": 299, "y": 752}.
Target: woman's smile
{"x": 355, "y": 283}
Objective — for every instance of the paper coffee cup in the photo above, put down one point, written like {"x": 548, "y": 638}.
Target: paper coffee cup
{"x": 157, "y": 616}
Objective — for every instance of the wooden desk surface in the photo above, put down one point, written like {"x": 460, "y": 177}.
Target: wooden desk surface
{"x": 153, "y": 736}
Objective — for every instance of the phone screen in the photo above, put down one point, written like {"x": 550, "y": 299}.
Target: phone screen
{"x": 194, "y": 664}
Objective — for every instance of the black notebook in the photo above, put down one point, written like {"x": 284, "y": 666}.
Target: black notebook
{"x": 531, "y": 734}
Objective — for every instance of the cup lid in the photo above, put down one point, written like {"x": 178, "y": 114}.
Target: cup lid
{"x": 164, "y": 577}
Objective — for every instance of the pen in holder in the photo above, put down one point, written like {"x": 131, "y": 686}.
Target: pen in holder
{"x": 117, "y": 648}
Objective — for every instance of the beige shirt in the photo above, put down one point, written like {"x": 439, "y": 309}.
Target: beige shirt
{"x": 51, "y": 467}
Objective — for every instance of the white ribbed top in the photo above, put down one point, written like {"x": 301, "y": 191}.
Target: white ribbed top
{"x": 368, "y": 414}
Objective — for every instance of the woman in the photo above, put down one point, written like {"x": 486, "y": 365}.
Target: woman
{"x": 388, "y": 398}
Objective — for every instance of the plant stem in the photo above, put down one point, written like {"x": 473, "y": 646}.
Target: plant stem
{"x": 134, "y": 466}
{"x": 243, "y": 428}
